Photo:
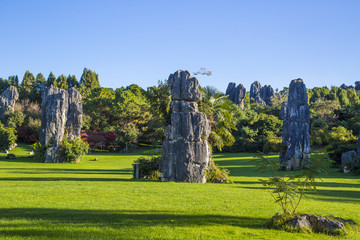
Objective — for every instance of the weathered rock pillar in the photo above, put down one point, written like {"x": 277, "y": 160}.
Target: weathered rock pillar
{"x": 266, "y": 92}
{"x": 236, "y": 94}
{"x": 185, "y": 153}
{"x": 255, "y": 89}
{"x": 296, "y": 126}
{"x": 61, "y": 110}
{"x": 8, "y": 99}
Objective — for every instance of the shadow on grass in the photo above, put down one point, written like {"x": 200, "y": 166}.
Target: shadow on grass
{"x": 107, "y": 218}
{"x": 29, "y": 159}
{"x": 72, "y": 179}
{"x": 67, "y": 171}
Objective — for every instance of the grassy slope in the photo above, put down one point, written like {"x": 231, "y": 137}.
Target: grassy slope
{"x": 98, "y": 200}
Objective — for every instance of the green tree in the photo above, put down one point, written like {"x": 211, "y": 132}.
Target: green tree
{"x": 127, "y": 134}
{"x": 27, "y": 88}
{"x": 62, "y": 83}
{"x": 51, "y": 80}
{"x": 13, "y": 81}
{"x": 3, "y": 85}
{"x": 72, "y": 81}
{"x": 221, "y": 113}
{"x": 89, "y": 80}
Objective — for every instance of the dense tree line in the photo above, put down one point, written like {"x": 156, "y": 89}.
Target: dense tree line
{"x": 118, "y": 118}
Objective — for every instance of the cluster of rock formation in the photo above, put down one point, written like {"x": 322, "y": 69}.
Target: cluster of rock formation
{"x": 8, "y": 99}
{"x": 185, "y": 152}
{"x": 236, "y": 93}
{"x": 61, "y": 114}
{"x": 296, "y": 125}
{"x": 346, "y": 87}
{"x": 261, "y": 95}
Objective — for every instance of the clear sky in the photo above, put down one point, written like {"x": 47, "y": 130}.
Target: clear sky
{"x": 143, "y": 41}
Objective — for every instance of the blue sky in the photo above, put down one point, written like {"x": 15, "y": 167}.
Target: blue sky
{"x": 143, "y": 41}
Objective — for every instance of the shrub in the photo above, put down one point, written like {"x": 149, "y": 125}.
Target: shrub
{"x": 71, "y": 150}
{"x": 216, "y": 174}
{"x": 27, "y": 135}
{"x": 149, "y": 167}
{"x": 7, "y": 137}
{"x": 288, "y": 191}
{"x": 99, "y": 140}
{"x": 273, "y": 145}
{"x": 39, "y": 151}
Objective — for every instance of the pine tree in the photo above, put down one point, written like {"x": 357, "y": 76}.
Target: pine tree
{"x": 72, "y": 81}
{"x": 51, "y": 81}
{"x": 89, "y": 79}
{"x": 28, "y": 86}
{"x": 62, "y": 83}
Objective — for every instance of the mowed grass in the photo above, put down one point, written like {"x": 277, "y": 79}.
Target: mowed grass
{"x": 100, "y": 200}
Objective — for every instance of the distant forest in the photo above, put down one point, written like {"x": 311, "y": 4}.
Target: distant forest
{"x": 143, "y": 114}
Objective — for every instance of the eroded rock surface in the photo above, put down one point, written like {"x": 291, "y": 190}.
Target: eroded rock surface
{"x": 236, "y": 93}
{"x": 185, "y": 154}
{"x": 266, "y": 93}
{"x": 255, "y": 89}
{"x": 61, "y": 112}
{"x": 8, "y": 99}
{"x": 75, "y": 111}
{"x": 347, "y": 158}
{"x": 357, "y": 86}
{"x": 296, "y": 126}
{"x": 346, "y": 87}
{"x": 318, "y": 224}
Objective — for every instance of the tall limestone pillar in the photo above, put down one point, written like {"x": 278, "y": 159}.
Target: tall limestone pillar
{"x": 296, "y": 127}
{"x": 185, "y": 153}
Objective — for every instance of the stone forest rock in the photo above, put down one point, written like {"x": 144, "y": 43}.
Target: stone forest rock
{"x": 346, "y": 87}
{"x": 61, "y": 110}
{"x": 185, "y": 154}
{"x": 255, "y": 89}
{"x": 348, "y": 158}
{"x": 357, "y": 86}
{"x": 74, "y": 120}
{"x": 259, "y": 100}
{"x": 266, "y": 93}
{"x": 236, "y": 93}
{"x": 8, "y": 99}
{"x": 296, "y": 125}
{"x": 317, "y": 224}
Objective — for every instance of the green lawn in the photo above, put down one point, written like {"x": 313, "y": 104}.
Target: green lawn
{"x": 99, "y": 200}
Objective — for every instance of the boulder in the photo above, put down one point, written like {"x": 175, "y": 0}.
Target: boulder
{"x": 236, "y": 94}
{"x": 61, "y": 112}
{"x": 185, "y": 154}
{"x": 266, "y": 92}
{"x": 317, "y": 224}
{"x": 255, "y": 89}
{"x": 296, "y": 127}
{"x": 8, "y": 99}
{"x": 348, "y": 158}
